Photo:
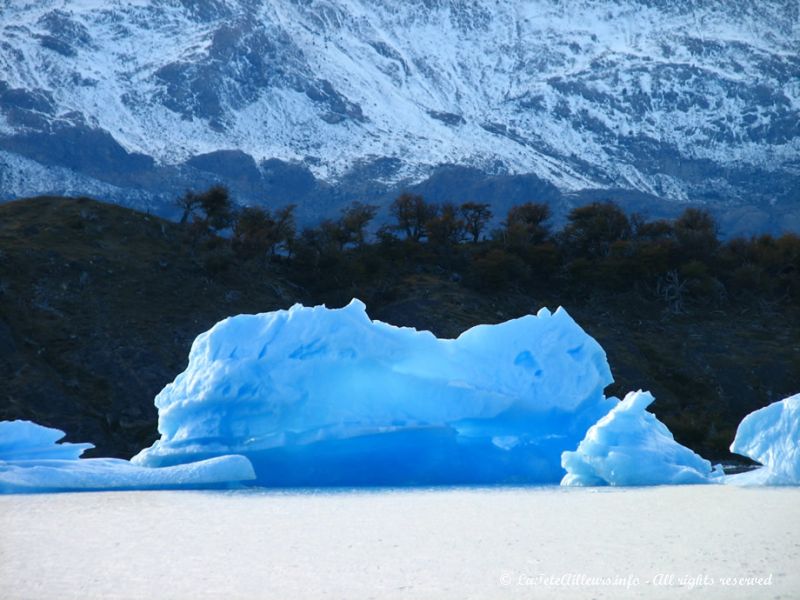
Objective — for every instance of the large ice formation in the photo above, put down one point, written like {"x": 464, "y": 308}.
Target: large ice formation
{"x": 630, "y": 446}
{"x": 32, "y": 461}
{"x": 314, "y": 396}
{"x": 771, "y": 436}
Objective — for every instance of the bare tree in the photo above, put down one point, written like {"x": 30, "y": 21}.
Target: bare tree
{"x": 476, "y": 216}
{"x": 412, "y": 214}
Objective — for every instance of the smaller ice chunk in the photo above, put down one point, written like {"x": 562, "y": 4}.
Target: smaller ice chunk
{"x": 630, "y": 446}
{"x": 56, "y": 475}
{"x": 771, "y": 436}
{"x": 23, "y": 440}
{"x": 31, "y": 461}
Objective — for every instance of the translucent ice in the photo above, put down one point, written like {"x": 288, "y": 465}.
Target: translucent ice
{"x": 771, "y": 436}
{"x": 32, "y": 461}
{"x": 314, "y": 396}
{"x": 23, "y": 440}
{"x": 630, "y": 446}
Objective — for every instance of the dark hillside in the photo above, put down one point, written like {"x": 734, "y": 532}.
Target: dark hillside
{"x": 99, "y": 306}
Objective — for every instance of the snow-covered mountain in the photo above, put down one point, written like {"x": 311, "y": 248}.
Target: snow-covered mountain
{"x": 653, "y": 102}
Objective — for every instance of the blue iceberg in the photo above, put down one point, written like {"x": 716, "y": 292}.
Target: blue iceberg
{"x": 320, "y": 397}
{"x": 771, "y": 436}
{"x": 314, "y": 396}
{"x": 31, "y": 461}
{"x": 630, "y": 446}
{"x": 23, "y": 440}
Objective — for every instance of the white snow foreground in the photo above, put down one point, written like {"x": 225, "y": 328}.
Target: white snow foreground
{"x": 32, "y": 461}
{"x": 630, "y": 446}
{"x": 771, "y": 436}
{"x": 314, "y": 396}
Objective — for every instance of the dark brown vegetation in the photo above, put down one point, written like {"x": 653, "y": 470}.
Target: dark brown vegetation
{"x": 99, "y": 304}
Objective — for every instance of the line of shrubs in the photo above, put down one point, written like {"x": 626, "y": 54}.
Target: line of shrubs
{"x": 681, "y": 262}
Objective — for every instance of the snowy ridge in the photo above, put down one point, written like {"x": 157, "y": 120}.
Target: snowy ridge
{"x": 585, "y": 94}
{"x": 20, "y": 176}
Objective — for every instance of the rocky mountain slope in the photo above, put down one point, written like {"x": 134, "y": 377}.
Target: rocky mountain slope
{"x": 323, "y": 101}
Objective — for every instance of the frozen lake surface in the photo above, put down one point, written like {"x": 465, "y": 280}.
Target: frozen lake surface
{"x": 662, "y": 542}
